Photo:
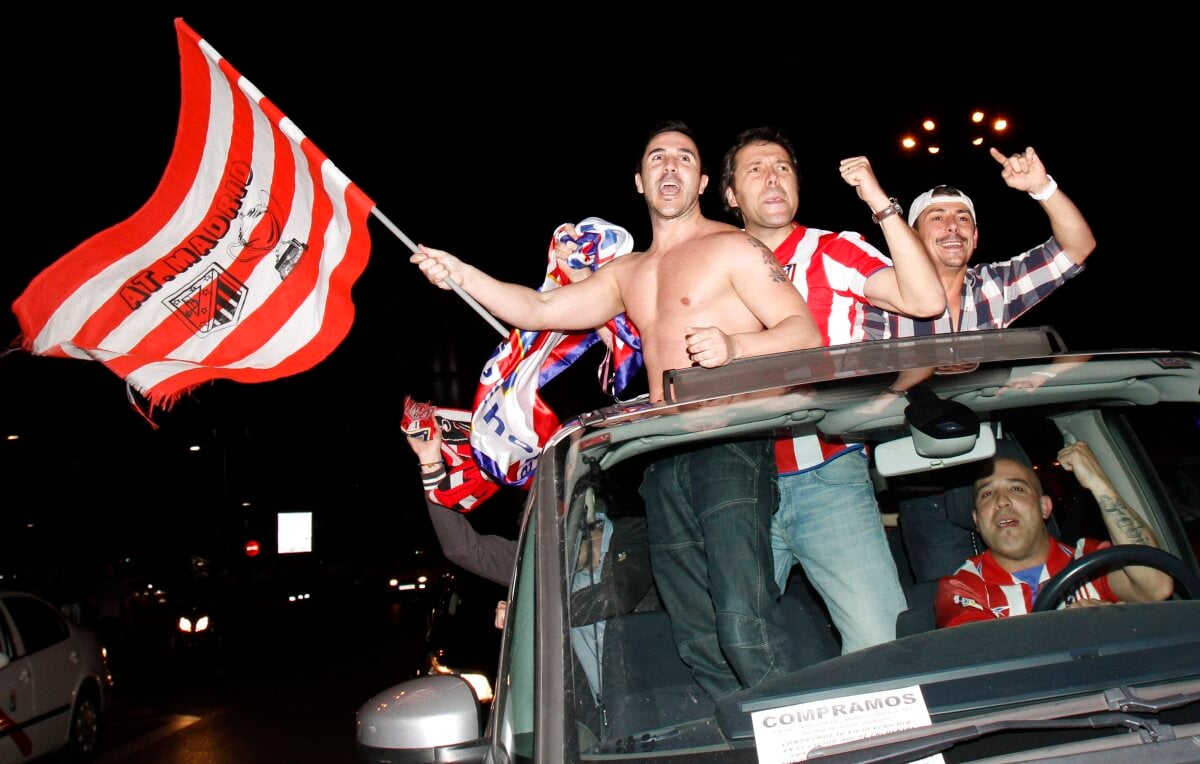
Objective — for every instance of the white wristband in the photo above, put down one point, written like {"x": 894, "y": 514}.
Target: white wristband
{"x": 1046, "y": 192}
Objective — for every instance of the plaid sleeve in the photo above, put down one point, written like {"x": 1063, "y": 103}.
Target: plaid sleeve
{"x": 1009, "y": 289}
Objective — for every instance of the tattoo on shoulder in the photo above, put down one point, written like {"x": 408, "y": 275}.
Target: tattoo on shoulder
{"x": 754, "y": 241}
{"x": 775, "y": 270}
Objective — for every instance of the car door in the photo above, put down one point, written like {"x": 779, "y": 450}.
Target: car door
{"x": 16, "y": 696}
{"x": 39, "y": 684}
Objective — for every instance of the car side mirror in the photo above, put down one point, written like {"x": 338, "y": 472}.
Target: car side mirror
{"x": 415, "y": 720}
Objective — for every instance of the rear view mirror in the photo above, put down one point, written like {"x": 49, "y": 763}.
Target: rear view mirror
{"x": 939, "y": 428}
{"x": 944, "y": 433}
{"x": 901, "y": 457}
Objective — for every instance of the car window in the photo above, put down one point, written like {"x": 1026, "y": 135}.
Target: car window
{"x": 39, "y": 625}
{"x": 514, "y": 709}
{"x": 1165, "y": 441}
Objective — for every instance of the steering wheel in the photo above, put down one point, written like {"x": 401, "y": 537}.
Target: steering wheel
{"x": 1117, "y": 556}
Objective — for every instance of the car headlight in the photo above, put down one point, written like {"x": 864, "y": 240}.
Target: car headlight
{"x": 188, "y": 626}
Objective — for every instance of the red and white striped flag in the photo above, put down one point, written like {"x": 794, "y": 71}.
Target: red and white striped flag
{"x": 239, "y": 267}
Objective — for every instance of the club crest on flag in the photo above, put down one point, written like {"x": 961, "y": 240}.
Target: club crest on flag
{"x": 210, "y": 302}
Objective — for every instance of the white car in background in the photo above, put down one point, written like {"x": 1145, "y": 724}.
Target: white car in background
{"x": 54, "y": 682}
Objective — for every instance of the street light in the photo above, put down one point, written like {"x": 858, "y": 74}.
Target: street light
{"x": 932, "y": 138}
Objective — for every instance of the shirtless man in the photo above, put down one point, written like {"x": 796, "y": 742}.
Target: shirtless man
{"x": 703, "y": 293}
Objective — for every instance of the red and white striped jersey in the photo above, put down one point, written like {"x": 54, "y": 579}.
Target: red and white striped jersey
{"x": 981, "y": 590}
{"x": 831, "y": 270}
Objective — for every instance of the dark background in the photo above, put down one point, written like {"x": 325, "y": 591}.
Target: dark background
{"x": 480, "y": 132}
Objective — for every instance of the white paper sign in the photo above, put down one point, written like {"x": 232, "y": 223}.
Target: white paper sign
{"x": 786, "y": 734}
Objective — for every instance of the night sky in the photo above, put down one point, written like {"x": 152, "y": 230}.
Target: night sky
{"x": 481, "y": 134}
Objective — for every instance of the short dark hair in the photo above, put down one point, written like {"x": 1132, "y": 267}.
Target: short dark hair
{"x": 765, "y": 134}
{"x": 669, "y": 126}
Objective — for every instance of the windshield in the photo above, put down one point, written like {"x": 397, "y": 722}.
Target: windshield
{"x": 631, "y": 694}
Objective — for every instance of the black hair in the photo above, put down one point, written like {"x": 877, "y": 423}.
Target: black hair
{"x": 765, "y": 134}
{"x": 669, "y": 126}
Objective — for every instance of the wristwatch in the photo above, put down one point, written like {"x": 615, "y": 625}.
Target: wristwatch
{"x": 892, "y": 209}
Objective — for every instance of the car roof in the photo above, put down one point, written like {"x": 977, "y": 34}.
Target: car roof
{"x": 830, "y": 388}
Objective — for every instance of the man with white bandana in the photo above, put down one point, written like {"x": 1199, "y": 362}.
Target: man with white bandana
{"x": 935, "y": 527}
{"x": 990, "y": 295}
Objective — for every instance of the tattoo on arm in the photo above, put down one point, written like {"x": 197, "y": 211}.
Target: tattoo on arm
{"x": 1129, "y": 523}
{"x": 775, "y": 270}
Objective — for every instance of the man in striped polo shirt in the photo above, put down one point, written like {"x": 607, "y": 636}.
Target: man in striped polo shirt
{"x": 1011, "y": 513}
{"x": 828, "y": 519}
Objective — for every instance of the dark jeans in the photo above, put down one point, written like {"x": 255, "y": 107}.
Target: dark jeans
{"x": 936, "y": 533}
{"x": 708, "y": 521}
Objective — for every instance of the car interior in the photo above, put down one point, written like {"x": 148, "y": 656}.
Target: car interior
{"x": 602, "y": 680}
{"x": 646, "y": 688}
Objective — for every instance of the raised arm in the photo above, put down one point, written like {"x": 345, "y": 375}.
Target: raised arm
{"x": 1024, "y": 171}
{"x": 488, "y": 556}
{"x": 581, "y": 305}
{"x": 911, "y": 285}
{"x": 1125, "y": 526}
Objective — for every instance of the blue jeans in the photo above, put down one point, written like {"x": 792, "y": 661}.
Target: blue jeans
{"x": 708, "y": 517}
{"x": 828, "y": 520}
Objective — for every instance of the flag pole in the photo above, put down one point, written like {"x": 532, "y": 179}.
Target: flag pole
{"x": 470, "y": 300}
